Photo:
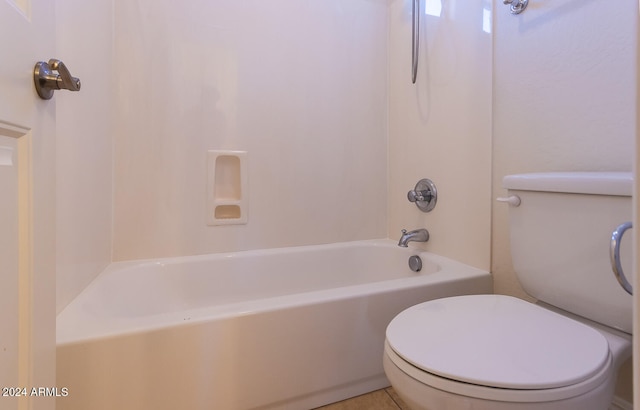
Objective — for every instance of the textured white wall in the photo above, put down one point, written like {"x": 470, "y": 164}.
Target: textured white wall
{"x": 84, "y": 130}
{"x": 440, "y": 127}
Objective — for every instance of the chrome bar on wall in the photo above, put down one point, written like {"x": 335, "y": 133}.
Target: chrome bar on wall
{"x": 614, "y": 254}
{"x": 415, "y": 40}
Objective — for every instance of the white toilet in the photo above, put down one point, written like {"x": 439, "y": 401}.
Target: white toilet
{"x": 494, "y": 352}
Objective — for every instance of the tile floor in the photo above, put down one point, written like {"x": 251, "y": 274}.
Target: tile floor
{"x": 384, "y": 399}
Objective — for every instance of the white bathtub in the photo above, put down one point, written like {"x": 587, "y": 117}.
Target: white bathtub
{"x": 291, "y": 328}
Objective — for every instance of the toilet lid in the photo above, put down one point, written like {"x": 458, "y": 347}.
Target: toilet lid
{"x": 497, "y": 341}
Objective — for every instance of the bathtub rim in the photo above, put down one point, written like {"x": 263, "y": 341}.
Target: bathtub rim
{"x": 72, "y": 318}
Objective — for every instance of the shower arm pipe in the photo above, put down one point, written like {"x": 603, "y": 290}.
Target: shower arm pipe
{"x": 415, "y": 40}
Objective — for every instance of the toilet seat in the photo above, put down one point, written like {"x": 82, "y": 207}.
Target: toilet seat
{"x": 496, "y": 394}
{"x": 496, "y": 346}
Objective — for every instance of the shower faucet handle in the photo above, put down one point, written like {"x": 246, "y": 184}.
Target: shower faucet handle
{"x": 424, "y": 195}
{"x": 414, "y": 196}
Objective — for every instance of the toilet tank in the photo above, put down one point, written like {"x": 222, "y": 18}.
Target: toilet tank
{"x": 560, "y": 238}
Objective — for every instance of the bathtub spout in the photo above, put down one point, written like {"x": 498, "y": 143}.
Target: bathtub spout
{"x": 418, "y": 235}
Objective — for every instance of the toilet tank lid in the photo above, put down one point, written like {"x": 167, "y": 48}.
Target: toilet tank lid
{"x": 595, "y": 183}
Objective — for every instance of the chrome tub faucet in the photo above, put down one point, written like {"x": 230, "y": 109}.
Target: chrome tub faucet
{"x": 418, "y": 235}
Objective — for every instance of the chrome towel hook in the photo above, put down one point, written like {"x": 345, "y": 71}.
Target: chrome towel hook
{"x": 614, "y": 253}
{"x": 47, "y": 80}
{"x": 517, "y": 6}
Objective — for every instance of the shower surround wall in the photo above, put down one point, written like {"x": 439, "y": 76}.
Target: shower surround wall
{"x": 306, "y": 88}
{"x": 440, "y": 127}
{"x": 83, "y": 144}
{"x": 300, "y": 86}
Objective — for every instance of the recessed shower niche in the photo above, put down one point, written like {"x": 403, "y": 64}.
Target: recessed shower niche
{"x": 226, "y": 187}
